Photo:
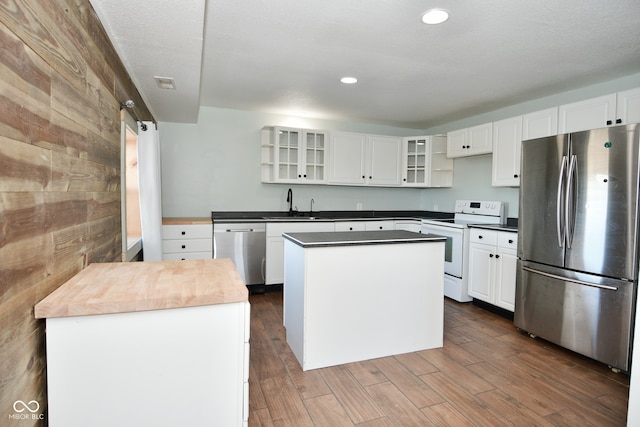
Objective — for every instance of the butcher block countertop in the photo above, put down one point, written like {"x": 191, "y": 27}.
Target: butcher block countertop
{"x": 140, "y": 286}
{"x": 185, "y": 220}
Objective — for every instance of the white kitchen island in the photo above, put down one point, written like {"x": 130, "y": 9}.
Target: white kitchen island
{"x": 158, "y": 344}
{"x": 351, "y": 296}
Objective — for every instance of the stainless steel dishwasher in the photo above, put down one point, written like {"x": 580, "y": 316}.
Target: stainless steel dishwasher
{"x": 245, "y": 244}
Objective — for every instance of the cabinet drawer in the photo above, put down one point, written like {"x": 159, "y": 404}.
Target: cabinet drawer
{"x": 275, "y": 229}
{"x": 185, "y": 256}
{"x": 508, "y": 240}
{"x": 379, "y": 225}
{"x": 187, "y": 245}
{"x": 486, "y": 237}
{"x": 191, "y": 231}
{"x": 350, "y": 226}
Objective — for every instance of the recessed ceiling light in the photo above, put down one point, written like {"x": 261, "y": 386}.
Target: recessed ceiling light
{"x": 165, "y": 82}
{"x": 349, "y": 80}
{"x": 435, "y": 16}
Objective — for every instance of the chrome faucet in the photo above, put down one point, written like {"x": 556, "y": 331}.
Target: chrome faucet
{"x": 290, "y": 200}
{"x": 311, "y": 209}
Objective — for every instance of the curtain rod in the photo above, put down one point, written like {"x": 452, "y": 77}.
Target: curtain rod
{"x": 129, "y": 105}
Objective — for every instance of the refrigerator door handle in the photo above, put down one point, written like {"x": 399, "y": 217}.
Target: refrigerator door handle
{"x": 559, "y": 205}
{"x": 569, "y": 210}
{"x": 566, "y": 279}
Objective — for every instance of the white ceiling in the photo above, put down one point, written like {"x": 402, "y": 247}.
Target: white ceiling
{"x": 287, "y": 56}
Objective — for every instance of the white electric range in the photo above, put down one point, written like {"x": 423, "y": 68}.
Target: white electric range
{"x": 456, "y": 230}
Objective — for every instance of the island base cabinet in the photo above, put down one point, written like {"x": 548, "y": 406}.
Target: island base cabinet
{"x": 154, "y": 368}
{"x": 358, "y": 302}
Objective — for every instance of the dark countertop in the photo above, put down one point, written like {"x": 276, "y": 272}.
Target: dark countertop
{"x": 504, "y": 227}
{"x": 257, "y": 216}
{"x": 344, "y": 238}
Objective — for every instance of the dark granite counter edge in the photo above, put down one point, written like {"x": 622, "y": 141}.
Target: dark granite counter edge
{"x": 349, "y": 238}
{"x": 258, "y": 216}
{"x": 507, "y": 227}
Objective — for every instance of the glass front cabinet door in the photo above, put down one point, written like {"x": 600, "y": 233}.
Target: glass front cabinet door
{"x": 425, "y": 162}
{"x": 292, "y": 155}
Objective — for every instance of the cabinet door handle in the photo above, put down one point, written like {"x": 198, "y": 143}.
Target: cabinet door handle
{"x": 515, "y": 175}
{"x": 497, "y": 256}
{"x": 608, "y": 122}
{"x": 510, "y": 241}
{"x": 183, "y": 233}
{"x": 184, "y": 246}
{"x": 490, "y": 255}
{"x": 618, "y": 121}
{"x": 480, "y": 237}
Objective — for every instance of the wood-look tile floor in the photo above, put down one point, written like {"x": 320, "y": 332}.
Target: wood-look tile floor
{"x": 487, "y": 374}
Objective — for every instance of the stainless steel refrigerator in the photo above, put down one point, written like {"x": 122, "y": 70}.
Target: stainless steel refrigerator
{"x": 578, "y": 241}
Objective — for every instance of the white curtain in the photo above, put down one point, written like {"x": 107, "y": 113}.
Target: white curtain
{"x": 150, "y": 191}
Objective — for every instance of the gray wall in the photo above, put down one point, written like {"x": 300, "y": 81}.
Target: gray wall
{"x": 215, "y": 164}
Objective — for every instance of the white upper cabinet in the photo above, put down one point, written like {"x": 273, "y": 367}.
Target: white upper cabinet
{"x": 383, "y": 160}
{"x": 628, "y": 107}
{"x": 507, "y": 145}
{"x": 588, "y": 114}
{"x": 425, "y": 162}
{"x": 540, "y": 124}
{"x": 610, "y": 110}
{"x": 360, "y": 159}
{"x": 470, "y": 141}
{"x": 508, "y": 135}
{"x": 292, "y": 155}
{"x": 346, "y": 159}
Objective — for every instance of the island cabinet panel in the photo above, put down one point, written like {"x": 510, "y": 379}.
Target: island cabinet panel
{"x": 358, "y": 302}
{"x": 154, "y": 343}
{"x": 149, "y": 368}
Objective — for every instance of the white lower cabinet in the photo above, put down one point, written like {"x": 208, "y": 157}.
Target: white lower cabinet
{"x": 364, "y": 225}
{"x": 349, "y": 226}
{"x": 492, "y": 267}
{"x": 379, "y": 225}
{"x": 187, "y": 241}
{"x": 274, "y": 269}
{"x": 413, "y": 225}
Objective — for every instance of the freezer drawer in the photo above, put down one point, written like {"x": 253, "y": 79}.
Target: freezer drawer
{"x": 594, "y": 320}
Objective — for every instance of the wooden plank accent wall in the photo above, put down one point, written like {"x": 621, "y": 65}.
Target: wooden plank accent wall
{"x": 61, "y": 84}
